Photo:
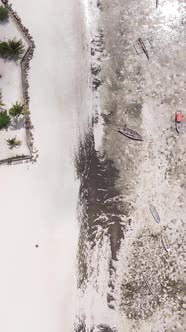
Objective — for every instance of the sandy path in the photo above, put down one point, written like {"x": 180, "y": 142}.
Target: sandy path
{"x": 38, "y": 202}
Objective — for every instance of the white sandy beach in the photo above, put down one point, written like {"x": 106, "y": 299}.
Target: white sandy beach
{"x": 130, "y": 278}
{"x": 38, "y": 202}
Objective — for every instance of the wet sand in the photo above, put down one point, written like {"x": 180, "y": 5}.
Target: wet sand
{"x": 133, "y": 282}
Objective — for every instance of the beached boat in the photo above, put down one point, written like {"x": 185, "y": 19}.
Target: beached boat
{"x": 130, "y": 134}
{"x": 178, "y": 120}
{"x": 165, "y": 242}
{"x": 155, "y": 214}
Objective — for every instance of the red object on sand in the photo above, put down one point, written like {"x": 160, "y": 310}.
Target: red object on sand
{"x": 179, "y": 117}
{"x": 178, "y": 120}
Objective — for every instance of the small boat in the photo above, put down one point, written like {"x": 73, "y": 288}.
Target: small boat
{"x": 130, "y": 134}
{"x": 165, "y": 242}
{"x": 155, "y": 214}
{"x": 178, "y": 120}
{"x": 141, "y": 43}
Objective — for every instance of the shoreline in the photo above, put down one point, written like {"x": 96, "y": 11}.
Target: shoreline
{"x": 96, "y": 174}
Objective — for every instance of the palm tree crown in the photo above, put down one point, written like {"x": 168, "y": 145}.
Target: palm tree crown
{"x": 11, "y": 49}
{"x": 17, "y": 109}
{"x": 16, "y": 47}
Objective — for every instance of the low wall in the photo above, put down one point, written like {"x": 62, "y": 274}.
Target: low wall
{"x": 14, "y": 160}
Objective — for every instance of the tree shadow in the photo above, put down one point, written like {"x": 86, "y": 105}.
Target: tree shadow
{"x": 17, "y": 123}
{"x": 13, "y": 147}
{"x": 11, "y": 58}
{"x": 4, "y": 22}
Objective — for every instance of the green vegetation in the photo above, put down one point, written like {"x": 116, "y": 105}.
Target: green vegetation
{"x": 3, "y": 14}
{"x": 13, "y": 142}
{"x": 5, "y": 120}
{"x": 11, "y": 49}
{"x": 17, "y": 109}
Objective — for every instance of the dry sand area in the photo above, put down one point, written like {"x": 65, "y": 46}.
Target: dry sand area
{"x": 38, "y": 202}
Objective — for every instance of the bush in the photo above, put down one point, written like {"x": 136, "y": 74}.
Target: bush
{"x": 3, "y": 13}
{"x": 5, "y": 120}
{"x": 12, "y": 49}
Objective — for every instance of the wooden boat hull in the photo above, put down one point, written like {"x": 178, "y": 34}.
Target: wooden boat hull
{"x": 165, "y": 242}
{"x": 178, "y": 127}
{"x": 155, "y": 214}
{"x": 130, "y": 134}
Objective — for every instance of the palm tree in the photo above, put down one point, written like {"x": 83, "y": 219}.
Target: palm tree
{"x": 17, "y": 109}
{"x": 13, "y": 142}
{"x": 3, "y": 14}
{"x": 16, "y": 47}
{"x": 12, "y": 49}
{"x": 5, "y": 120}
